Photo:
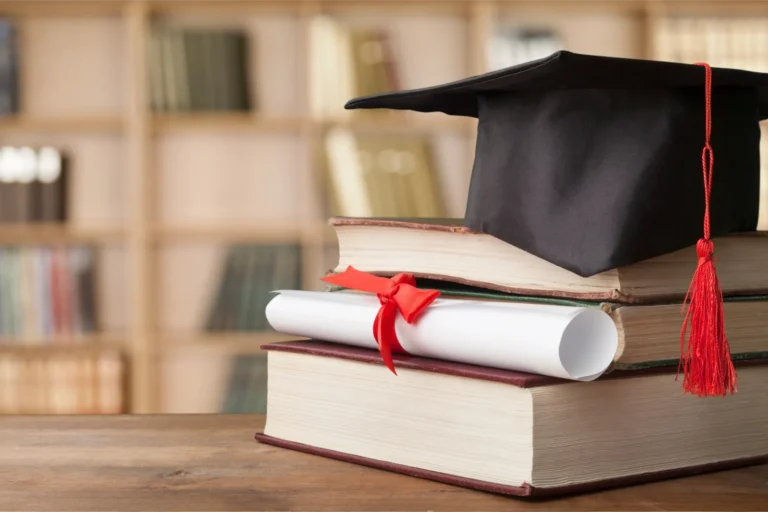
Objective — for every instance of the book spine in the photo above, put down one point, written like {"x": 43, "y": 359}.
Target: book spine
{"x": 241, "y": 81}
{"x": 9, "y": 101}
{"x": 155, "y": 60}
{"x": 53, "y": 176}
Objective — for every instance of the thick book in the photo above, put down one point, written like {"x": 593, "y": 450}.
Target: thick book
{"x": 443, "y": 249}
{"x": 504, "y": 431}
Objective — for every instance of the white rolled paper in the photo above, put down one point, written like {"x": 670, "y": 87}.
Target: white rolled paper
{"x": 560, "y": 341}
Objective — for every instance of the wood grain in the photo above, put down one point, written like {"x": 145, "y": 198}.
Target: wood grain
{"x": 211, "y": 462}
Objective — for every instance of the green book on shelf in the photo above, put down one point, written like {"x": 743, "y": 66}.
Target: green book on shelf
{"x": 247, "y": 387}
{"x": 237, "y": 387}
{"x": 252, "y": 286}
{"x": 256, "y": 398}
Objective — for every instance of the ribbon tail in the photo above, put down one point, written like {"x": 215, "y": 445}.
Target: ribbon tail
{"x": 357, "y": 280}
{"x": 384, "y": 332}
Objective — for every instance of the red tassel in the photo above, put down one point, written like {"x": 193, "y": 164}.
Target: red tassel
{"x": 706, "y": 358}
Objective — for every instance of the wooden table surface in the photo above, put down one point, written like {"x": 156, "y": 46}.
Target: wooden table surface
{"x": 202, "y": 462}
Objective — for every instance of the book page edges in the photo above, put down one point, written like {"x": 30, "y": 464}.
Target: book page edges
{"x": 523, "y": 491}
{"x": 518, "y": 379}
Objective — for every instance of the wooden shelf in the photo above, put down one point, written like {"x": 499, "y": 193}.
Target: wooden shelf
{"x": 229, "y": 342}
{"x": 68, "y": 8}
{"x": 224, "y": 121}
{"x": 400, "y": 123}
{"x": 578, "y": 6}
{"x": 43, "y": 233}
{"x": 79, "y": 345}
{"x": 240, "y": 7}
{"x": 258, "y": 232}
{"x": 24, "y": 124}
{"x": 247, "y": 122}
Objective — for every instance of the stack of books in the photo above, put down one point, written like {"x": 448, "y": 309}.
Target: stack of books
{"x": 454, "y": 413}
{"x": 534, "y": 346}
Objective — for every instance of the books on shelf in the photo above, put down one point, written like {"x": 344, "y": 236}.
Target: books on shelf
{"x": 198, "y": 69}
{"x": 248, "y": 275}
{"x": 9, "y": 69}
{"x": 33, "y": 184}
{"x": 47, "y": 294}
{"x": 247, "y": 387}
{"x": 62, "y": 383}
{"x": 371, "y": 175}
{"x": 347, "y": 61}
{"x": 510, "y": 45}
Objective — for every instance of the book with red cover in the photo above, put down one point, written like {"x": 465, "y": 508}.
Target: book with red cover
{"x": 710, "y": 429}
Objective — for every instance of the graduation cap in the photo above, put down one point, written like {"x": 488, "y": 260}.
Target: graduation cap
{"x": 594, "y": 163}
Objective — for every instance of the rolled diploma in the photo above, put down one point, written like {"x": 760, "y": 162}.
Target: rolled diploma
{"x": 559, "y": 341}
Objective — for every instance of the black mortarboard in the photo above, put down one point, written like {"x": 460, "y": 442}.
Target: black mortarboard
{"x": 593, "y": 163}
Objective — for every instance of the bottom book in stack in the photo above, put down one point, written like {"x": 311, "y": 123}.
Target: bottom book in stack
{"x": 505, "y": 431}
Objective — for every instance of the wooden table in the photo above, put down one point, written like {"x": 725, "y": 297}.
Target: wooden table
{"x": 202, "y": 462}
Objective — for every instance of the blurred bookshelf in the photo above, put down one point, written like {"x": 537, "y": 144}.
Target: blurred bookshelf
{"x": 207, "y": 144}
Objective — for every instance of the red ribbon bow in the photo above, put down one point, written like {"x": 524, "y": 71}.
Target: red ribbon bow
{"x": 396, "y": 294}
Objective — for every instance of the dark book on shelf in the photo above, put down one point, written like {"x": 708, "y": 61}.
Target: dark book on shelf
{"x": 247, "y": 386}
{"x": 9, "y": 89}
{"x": 249, "y": 274}
{"x": 33, "y": 185}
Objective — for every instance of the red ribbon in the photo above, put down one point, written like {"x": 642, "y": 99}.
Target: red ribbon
{"x": 396, "y": 294}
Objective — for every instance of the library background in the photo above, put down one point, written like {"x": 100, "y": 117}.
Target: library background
{"x": 165, "y": 164}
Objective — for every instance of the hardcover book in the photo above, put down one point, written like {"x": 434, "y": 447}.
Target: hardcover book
{"x": 444, "y": 249}
{"x": 504, "y": 431}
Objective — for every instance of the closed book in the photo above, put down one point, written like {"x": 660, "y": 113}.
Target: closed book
{"x": 445, "y": 250}
{"x": 237, "y": 386}
{"x": 51, "y": 186}
{"x": 215, "y": 63}
{"x": 177, "y": 60}
{"x": 25, "y": 171}
{"x": 239, "y": 80}
{"x": 155, "y": 61}
{"x": 502, "y": 431}
{"x": 215, "y": 319}
{"x": 83, "y": 259}
{"x": 8, "y": 191}
{"x": 9, "y": 71}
